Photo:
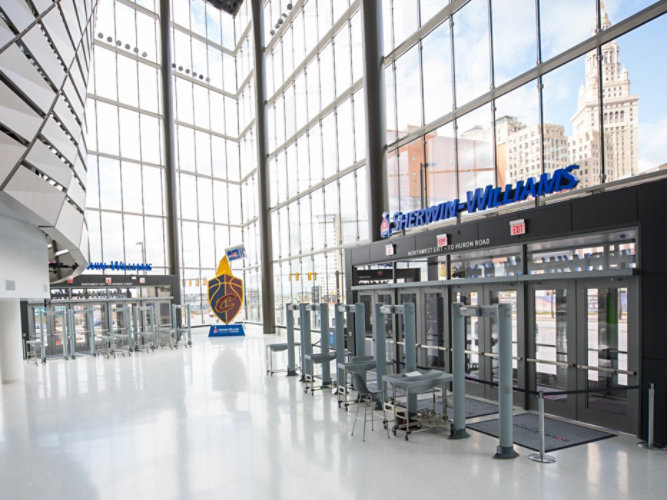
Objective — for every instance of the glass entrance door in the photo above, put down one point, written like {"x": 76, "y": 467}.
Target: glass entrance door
{"x": 583, "y": 336}
{"x": 551, "y": 342}
{"x": 608, "y": 351}
{"x": 432, "y": 331}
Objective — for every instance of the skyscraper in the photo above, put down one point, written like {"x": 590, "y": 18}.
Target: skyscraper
{"x": 619, "y": 117}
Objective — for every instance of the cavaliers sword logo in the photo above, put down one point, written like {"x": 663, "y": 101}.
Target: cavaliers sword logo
{"x": 225, "y": 293}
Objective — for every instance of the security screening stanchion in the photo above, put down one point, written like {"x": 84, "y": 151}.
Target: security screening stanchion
{"x": 502, "y": 313}
{"x": 42, "y": 326}
{"x": 541, "y": 456}
{"x": 130, "y": 331}
{"x": 359, "y": 333}
{"x": 64, "y": 342}
{"x": 291, "y": 357}
{"x": 650, "y": 444}
{"x": 135, "y": 325}
{"x": 72, "y": 332}
{"x": 91, "y": 336}
{"x": 458, "y": 430}
{"x": 380, "y": 336}
{"x": 408, "y": 313}
{"x": 306, "y": 345}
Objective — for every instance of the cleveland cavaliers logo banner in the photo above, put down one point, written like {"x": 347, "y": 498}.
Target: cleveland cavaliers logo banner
{"x": 225, "y": 293}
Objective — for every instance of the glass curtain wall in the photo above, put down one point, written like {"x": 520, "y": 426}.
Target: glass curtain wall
{"x": 126, "y": 207}
{"x": 316, "y": 145}
{"x": 491, "y": 92}
{"x": 207, "y": 144}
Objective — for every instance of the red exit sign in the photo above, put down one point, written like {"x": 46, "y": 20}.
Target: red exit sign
{"x": 517, "y": 227}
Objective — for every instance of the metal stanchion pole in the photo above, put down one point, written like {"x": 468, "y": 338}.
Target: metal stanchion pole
{"x": 541, "y": 456}
{"x": 650, "y": 444}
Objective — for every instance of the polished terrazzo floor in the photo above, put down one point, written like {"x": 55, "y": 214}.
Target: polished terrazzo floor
{"x": 208, "y": 423}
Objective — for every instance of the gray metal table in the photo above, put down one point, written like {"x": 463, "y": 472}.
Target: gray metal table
{"x": 421, "y": 420}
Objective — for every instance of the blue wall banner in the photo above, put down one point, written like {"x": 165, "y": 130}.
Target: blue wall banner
{"x": 226, "y": 331}
{"x": 481, "y": 199}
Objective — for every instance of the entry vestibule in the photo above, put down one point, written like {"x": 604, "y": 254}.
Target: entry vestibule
{"x": 574, "y": 320}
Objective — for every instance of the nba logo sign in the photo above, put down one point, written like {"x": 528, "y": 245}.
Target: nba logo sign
{"x": 443, "y": 240}
{"x": 385, "y": 230}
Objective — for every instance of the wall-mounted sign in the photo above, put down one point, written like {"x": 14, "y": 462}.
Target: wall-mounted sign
{"x": 442, "y": 240}
{"x": 235, "y": 252}
{"x": 115, "y": 265}
{"x": 517, "y": 227}
{"x": 389, "y": 250}
{"x": 481, "y": 199}
{"x": 451, "y": 247}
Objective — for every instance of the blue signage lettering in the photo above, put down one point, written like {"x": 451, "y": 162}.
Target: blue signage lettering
{"x": 116, "y": 265}
{"x": 481, "y": 199}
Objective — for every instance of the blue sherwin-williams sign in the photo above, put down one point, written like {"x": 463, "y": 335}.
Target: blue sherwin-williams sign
{"x": 115, "y": 265}
{"x": 226, "y": 331}
{"x": 481, "y": 199}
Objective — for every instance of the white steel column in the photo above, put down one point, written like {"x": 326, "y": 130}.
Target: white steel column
{"x": 11, "y": 346}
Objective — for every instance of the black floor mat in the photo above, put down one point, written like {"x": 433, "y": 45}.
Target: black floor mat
{"x": 557, "y": 434}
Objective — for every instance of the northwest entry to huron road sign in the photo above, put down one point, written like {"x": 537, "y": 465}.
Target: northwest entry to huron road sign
{"x": 481, "y": 199}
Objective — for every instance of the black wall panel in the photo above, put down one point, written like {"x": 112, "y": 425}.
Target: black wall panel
{"x": 654, "y": 328}
{"x": 652, "y": 205}
{"x": 605, "y": 210}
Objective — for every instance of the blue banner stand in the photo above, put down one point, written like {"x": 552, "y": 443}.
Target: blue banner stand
{"x": 226, "y": 331}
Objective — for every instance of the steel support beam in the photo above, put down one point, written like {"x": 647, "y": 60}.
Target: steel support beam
{"x": 266, "y": 261}
{"x": 376, "y": 129}
{"x": 174, "y": 257}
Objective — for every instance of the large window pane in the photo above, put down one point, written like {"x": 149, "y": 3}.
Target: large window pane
{"x": 329, "y": 147}
{"x": 327, "y": 75}
{"x": 408, "y": 102}
{"x": 112, "y": 245}
{"x": 110, "y": 196}
{"x": 133, "y": 234}
{"x": 345, "y": 134}
{"x": 359, "y": 125}
{"x": 127, "y": 76}
{"x": 635, "y": 112}
{"x": 514, "y": 42}
{"x": 362, "y": 203}
{"x": 154, "y": 241}
{"x": 577, "y": 15}
{"x": 152, "y": 186}
{"x": 188, "y": 190}
{"x": 406, "y": 19}
{"x": 343, "y": 56}
{"x": 437, "y": 66}
{"x": 440, "y": 165}
{"x": 410, "y": 163}
{"x": 129, "y": 134}
{"x": 132, "y": 187}
{"x": 107, "y": 128}
{"x": 348, "y": 212}
{"x": 204, "y": 199}
{"x": 518, "y": 136}
{"x": 475, "y": 150}
{"x": 471, "y": 51}
{"x": 560, "y": 97}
